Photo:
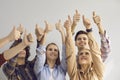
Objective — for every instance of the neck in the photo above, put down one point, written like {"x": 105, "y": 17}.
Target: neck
{"x": 84, "y": 67}
{"x": 21, "y": 61}
{"x": 51, "y": 63}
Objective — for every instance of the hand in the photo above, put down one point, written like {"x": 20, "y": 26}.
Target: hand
{"x": 86, "y": 23}
{"x": 39, "y": 32}
{"x": 48, "y": 27}
{"x": 20, "y": 29}
{"x": 14, "y": 34}
{"x": 27, "y": 39}
{"x": 76, "y": 17}
{"x": 67, "y": 24}
{"x": 96, "y": 18}
{"x": 59, "y": 26}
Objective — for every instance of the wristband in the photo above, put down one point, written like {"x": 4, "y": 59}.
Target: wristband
{"x": 89, "y": 30}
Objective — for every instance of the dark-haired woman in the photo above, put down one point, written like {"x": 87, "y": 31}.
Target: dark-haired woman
{"x": 19, "y": 68}
{"x": 48, "y": 65}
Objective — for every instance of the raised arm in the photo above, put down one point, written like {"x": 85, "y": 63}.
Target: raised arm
{"x": 13, "y": 35}
{"x": 70, "y": 51}
{"x": 40, "y": 51}
{"x": 9, "y": 67}
{"x": 10, "y": 53}
{"x": 95, "y": 50}
{"x": 60, "y": 28}
{"x": 105, "y": 45}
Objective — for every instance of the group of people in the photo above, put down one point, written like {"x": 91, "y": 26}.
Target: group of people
{"x": 85, "y": 64}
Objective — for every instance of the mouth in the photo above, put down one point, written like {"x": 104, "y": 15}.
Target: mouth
{"x": 83, "y": 58}
{"x": 82, "y": 44}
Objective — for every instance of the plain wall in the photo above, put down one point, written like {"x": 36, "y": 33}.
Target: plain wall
{"x": 32, "y": 12}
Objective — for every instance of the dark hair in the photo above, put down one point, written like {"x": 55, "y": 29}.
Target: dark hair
{"x": 80, "y": 32}
{"x": 27, "y": 49}
{"x": 58, "y": 59}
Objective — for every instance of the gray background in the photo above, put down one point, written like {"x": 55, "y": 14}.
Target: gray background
{"x": 31, "y": 12}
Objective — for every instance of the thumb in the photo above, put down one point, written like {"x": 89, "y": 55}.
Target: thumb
{"x": 69, "y": 18}
{"x": 76, "y": 11}
{"x": 83, "y": 17}
{"x": 94, "y": 14}
{"x": 59, "y": 21}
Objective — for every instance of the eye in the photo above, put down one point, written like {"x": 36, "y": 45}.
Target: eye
{"x": 84, "y": 38}
{"x": 50, "y": 49}
{"x": 55, "y": 50}
{"x": 81, "y": 53}
{"x": 79, "y": 39}
{"x": 86, "y": 53}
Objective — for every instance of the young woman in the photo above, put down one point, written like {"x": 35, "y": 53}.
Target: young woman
{"x": 48, "y": 65}
{"x": 13, "y": 35}
{"x": 19, "y": 68}
{"x": 89, "y": 65}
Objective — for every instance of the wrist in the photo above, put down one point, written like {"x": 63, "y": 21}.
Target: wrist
{"x": 89, "y": 30}
{"x": 98, "y": 24}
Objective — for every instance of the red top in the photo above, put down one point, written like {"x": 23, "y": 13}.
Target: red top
{"x": 2, "y": 59}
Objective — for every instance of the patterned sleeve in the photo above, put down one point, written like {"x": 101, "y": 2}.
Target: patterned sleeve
{"x": 105, "y": 46}
{"x": 9, "y": 67}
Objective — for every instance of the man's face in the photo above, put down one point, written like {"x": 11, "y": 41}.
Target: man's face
{"x": 82, "y": 41}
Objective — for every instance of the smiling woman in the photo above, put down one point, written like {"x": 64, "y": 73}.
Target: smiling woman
{"x": 48, "y": 65}
{"x": 30, "y": 12}
{"x": 90, "y": 65}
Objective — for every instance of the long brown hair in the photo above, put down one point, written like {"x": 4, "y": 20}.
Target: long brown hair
{"x": 58, "y": 59}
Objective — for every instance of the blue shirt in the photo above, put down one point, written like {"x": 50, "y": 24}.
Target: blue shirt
{"x": 43, "y": 71}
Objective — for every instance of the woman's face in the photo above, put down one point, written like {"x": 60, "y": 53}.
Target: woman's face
{"x": 84, "y": 57}
{"x": 22, "y": 54}
{"x": 81, "y": 41}
{"x": 52, "y": 52}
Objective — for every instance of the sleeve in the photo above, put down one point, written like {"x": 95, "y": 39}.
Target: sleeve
{"x": 96, "y": 56}
{"x": 105, "y": 46}
{"x": 40, "y": 59}
{"x": 9, "y": 67}
{"x": 63, "y": 61}
{"x": 2, "y": 59}
{"x": 71, "y": 57}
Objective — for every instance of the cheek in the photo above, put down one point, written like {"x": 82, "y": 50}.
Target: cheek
{"x": 79, "y": 61}
{"x": 90, "y": 58}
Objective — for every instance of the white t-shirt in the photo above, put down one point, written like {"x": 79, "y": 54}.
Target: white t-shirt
{"x": 51, "y": 76}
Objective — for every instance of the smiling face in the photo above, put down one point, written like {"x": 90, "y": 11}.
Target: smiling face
{"x": 84, "y": 57}
{"x": 52, "y": 52}
{"x": 81, "y": 41}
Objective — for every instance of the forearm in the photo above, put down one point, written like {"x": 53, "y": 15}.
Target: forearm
{"x": 63, "y": 37}
{"x": 73, "y": 27}
{"x": 96, "y": 55}
{"x": 105, "y": 46}
{"x": 92, "y": 43}
{"x": 100, "y": 28}
{"x": 4, "y": 41}
{"x": 40, "y": 59}
{"x": 8, "y": 54}
{"x": 63, "y": 61}
{"x": 70, "y": 55}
